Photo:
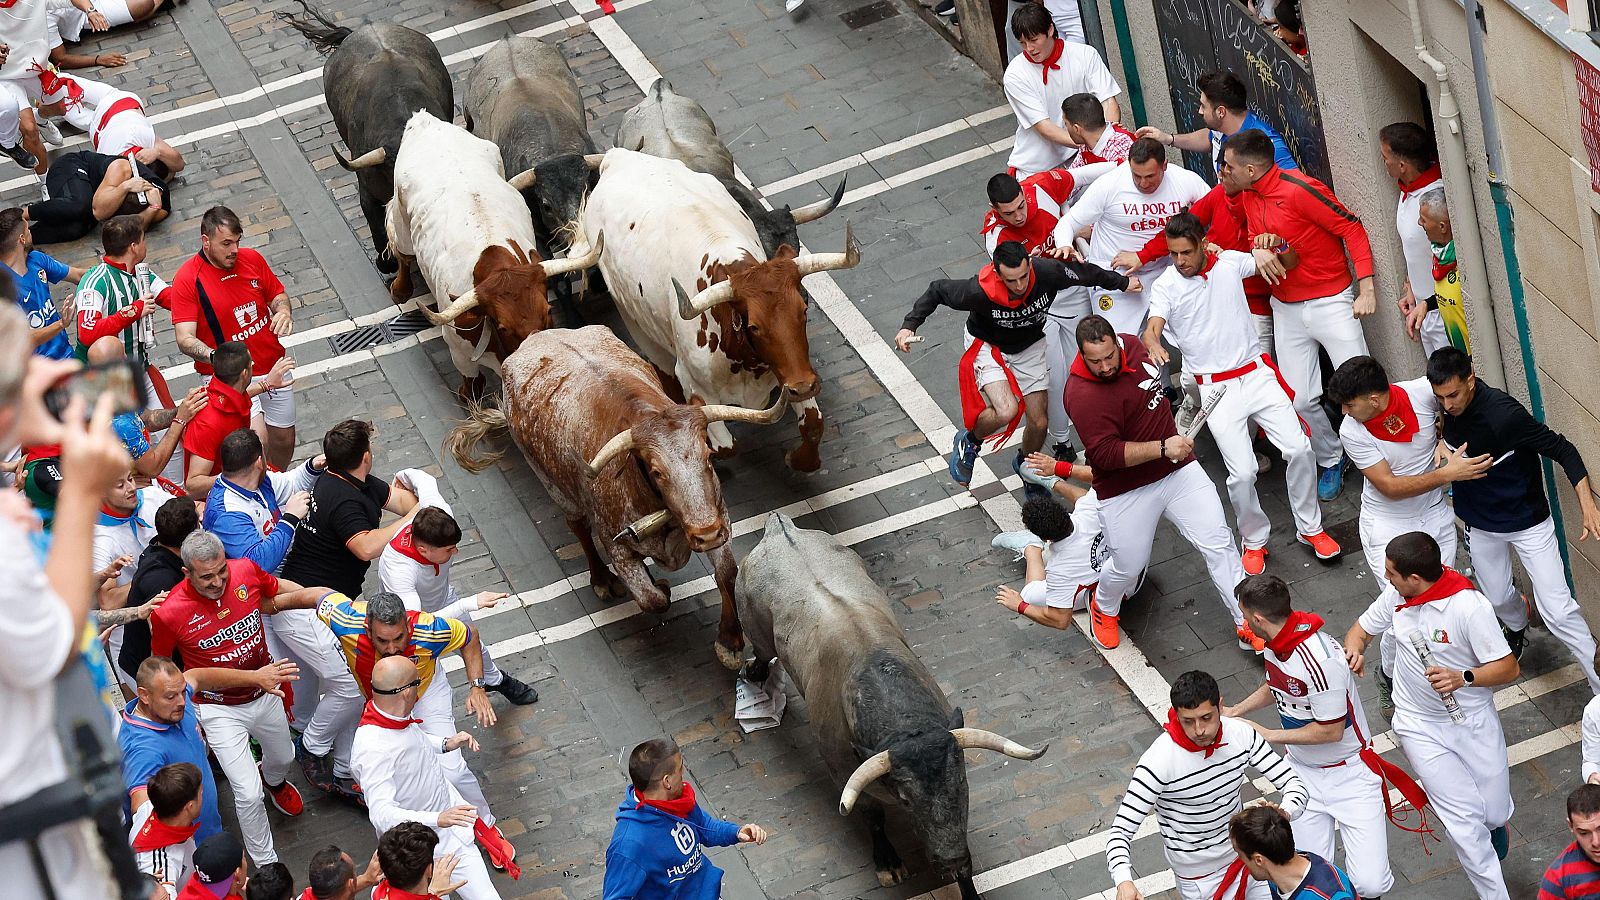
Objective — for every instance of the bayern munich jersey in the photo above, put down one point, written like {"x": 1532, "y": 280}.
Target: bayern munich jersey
{"x": 431, "y": 638}
{"x": 1315, "y": 685}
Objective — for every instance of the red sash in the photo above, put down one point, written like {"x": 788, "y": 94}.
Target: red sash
{"x": 972, "y": 402}
{"x": 500, "y": 850}
{"x": 1233, "y": 877}
{"x": 1392, "y": 775}
{"x": 120, "y": 105}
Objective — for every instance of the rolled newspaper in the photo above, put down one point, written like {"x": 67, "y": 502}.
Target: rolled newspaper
{"x": 1200, "y": 417}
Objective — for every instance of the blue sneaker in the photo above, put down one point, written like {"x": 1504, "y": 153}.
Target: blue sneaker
{"x": 1501, "y": 839}
{"x": 1330, "y": 481}
{"x": 1032, "y": 485}
{"x": 963, "y": 456}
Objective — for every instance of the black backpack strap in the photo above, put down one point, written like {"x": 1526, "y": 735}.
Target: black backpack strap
{"x": 209, "y": 311}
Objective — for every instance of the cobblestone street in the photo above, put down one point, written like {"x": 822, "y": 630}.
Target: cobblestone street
{"x": 801, "y": 101}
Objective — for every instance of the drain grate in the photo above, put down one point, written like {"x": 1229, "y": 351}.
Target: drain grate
{"x": 872, "y": 12}
{"x": 405, "y": 325}
{"x": 368, "y": 336}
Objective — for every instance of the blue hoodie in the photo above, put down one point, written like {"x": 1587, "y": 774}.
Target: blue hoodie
{"x": 657, "y": 856}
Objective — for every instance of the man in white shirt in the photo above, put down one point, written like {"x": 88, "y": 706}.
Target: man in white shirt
{"x": 1199, "y": 305}
{"x": 1039, "y": 80}
{"x": 163, "y": 830}
{"x": 1055, "y": 589}
{"x": 121, "y": 532}
{"x": 1127, "y": 208}
{"x": 1412, "y": 160}
{"x": 1451, "y": 654}
{"x": 397, "y": 763}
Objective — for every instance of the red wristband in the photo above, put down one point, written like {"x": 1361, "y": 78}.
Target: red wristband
{"x": 1022, "y": 607}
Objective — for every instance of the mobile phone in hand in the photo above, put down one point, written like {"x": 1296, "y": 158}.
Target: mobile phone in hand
{"x": 120, "y": 378}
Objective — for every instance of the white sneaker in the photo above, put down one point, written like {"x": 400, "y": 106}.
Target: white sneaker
{"x": 44, "y": 190}
{"x": 1016, "y": 541}
{"x": 1028, "y": 475}
{"x": 50, "y": 132}
{"x": 792, "y": 5}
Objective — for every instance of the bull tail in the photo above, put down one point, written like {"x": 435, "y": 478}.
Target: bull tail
{"x": 463, "y": 440}
{"x": 316, "y": 28}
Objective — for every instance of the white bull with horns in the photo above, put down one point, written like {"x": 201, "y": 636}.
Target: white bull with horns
{"x": 700, "y": 296}
{"x": 471, "y": 234}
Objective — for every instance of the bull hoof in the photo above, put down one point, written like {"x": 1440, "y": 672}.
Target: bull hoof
{"x": 803, "y": 459}
{"x": 755, "y": 670}
{"x": 732, "y": 660}
{"x": 388, "y": 266}
{"x": 608, "y": 587}
{"x": 891, "y": 877}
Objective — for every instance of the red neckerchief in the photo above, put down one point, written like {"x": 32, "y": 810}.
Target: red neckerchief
{"x": 1449, "y": 584}
{"x": 1398, "y": 421}
{"x": 1081, "y": 368}
{"x": 116, "y": 265}
{"x": 680, "y": 807}
{"x": 1211, "y": 260}
{"x": 1299, "y": 627}
{"x": 500, "y": 851}
{"x": 1428, "y": 176}
{"x": 155, "y": 834}
{"x": 1053, "y": 61}
{"x": 1175, "y": 731}
{"x": 407, "y": 546}
{"x": 374, "y": 716}
{"x": 995, "y": 289}
{"x": 1441, "y": 269}
{"x": 385, "y": 891}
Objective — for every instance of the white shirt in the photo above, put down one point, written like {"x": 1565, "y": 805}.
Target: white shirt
{"x": 400, "y": 775}
{"x": 1415, "y": 457}
{"x": 421, "y": 586}
{"x": 171, "y": 865}
{"x": 1591, "y": 738}
{"x": 1126, "y": 218}
{"x": 1315, "y": 684}
{"x": 1033, "y": 101}
{"x": 1461, "y": 632}
{"x": 36, "y": 631}
{"x": 1207, "y": 315}
{"x": 1414, "y": 244}
{"x": 25, "y": 28}
{"x": 1068, "y": 18}
{"x": 1075, "y": 560}
{"x": 128, "y": 538}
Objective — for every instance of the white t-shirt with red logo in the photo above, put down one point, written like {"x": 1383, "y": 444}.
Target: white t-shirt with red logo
{"x": 1460, "y": 631}
{"x": 1315, "y": 685}
{"x": 1126, "y": 218}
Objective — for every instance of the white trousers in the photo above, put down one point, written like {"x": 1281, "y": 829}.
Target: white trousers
{"x": 1188, "y": 500}
{"x": 228, "y": 732}
{"x": 1206, "y": 886}
{"x": 1257, "y": 397}
{"x": 1540, "y": 553}
{"x": 1463, "y": 768}
{"x": 1298, "y": 330}
{"x": 470, "y": 865}
{"x": 1061, "y": 350}
{"x": 332, "y": 725}
{"x": 1432, "y": 333}
{"x": 1264, "y": 332}
{"x": 436, "y": 709}
{"x": 1349, "y": 798}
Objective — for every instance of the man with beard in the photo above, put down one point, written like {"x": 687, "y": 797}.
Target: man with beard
{"x": 1144, "y": 470}
{"x": 1004, "y": 372}
{"x": 1576, "y": 872}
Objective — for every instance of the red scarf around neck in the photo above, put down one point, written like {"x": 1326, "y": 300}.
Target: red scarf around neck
{"x": 1205, "y": 270}
{"x": 407, "y": 545}
{"x": 1053, "y": 61}
{"x": 1449, "y": 584}
{"x": 155, "y": 834}
{"x": 1427, "y": 177}
{"x": 373, "y": 716}
{"x": 994, "y": 287}
{"x": 680, "y": 807}
{"x": 1299, "y": 627}
{"x": 1175, "y": 731}
{"x": 1081, "y": 368}
{"x": 1398, "y": 421}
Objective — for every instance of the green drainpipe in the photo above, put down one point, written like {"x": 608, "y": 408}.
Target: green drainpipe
{"x": 1130, "y": 68}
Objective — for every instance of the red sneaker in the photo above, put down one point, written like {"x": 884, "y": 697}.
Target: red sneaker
{"x": 1254, "y": 560}
{"x": 285, "y": 797}
{"x": 1248, "y": 639}
{"x": 1103, "y": 626}
{"x": 1323, "y": 546}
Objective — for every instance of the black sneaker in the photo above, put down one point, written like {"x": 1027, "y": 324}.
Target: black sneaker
{"x": 1063, "y": 451}
{"x": 1385, "y": 692}
{"x": 945, "y": 8}
{"x": 317, "y": 769}
{"x": 1516, "y": 640}
{"x": 20, "y": 155}
{"x": 517, "y": 692}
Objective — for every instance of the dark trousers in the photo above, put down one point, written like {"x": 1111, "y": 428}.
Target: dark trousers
{"x": 69, "y": 213}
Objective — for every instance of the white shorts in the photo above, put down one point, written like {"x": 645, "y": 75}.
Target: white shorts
{"x": 1030, "y": 366}
{"x": 69, "y": 22}
{"x": 275, "y": 405}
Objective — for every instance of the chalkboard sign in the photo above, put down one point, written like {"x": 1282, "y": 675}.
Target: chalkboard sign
{"x": 1199, "y": 36}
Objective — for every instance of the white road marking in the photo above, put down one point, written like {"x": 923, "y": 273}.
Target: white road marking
{"x": 883, "y": 152}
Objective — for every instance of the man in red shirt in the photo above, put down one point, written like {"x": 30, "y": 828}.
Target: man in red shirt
{"x": 1312, "y": 305}
{"x": 231, "y": 287}
{"x": 213, "y": 619}
{"x": 1144, "y": 471}
{"x": 229, "y": 395}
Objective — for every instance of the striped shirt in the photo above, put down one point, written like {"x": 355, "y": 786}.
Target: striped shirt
{"x": 1315, "y": 685}
{"x": 1572, "y": 876}
{"x": 431, "y": 638}
{"x": 1193, "y": 797}
{"x": 104, "y": 291}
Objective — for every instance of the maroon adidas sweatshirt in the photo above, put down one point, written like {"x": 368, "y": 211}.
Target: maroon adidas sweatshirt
{"x": 1109, "y": 415}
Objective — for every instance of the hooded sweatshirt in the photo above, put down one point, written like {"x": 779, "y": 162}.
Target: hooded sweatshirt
{"x": 657, "y": 856}
{"x": 225, "y": 412}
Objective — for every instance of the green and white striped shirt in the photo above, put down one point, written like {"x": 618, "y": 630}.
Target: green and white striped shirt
{"x": 106, "y": 290}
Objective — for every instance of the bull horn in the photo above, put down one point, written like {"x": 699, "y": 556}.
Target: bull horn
{"x": 646, "y": 525}
{"x": 812, "y": 263}
{"x": 716, "y": 413}
{"x": 978, "y": 739}
{"x": 688, "y": 308}
{"x": 366, "y": 160}
{"x": 865, "y": 774}
{"x": 523, "y": 180}
{"x": 615, "y": 447}
{"x": 554, "y": 267}
{"x": 593, "y": 160}
{"x": 814, "y": 211}
{"x": 457, "y": 306}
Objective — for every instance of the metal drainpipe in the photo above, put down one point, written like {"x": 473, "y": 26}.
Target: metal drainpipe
{"x": 1093, "y": 29}
{"x": 1508, "y": 250}
{"x": 1485, "y": 337}
{"x": 1130, "y": 66}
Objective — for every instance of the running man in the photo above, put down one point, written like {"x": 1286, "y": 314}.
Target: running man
{"x": 1102, "y": 141}
{"x": 1265, "y": 843}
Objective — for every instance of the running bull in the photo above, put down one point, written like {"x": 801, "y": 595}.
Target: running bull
{"x": 886, "y": 730}
{"x": 472, "y": 237}
{"x": 629, "y": 468}
{"x": 377, "y": 76}
{"x": 742, "y": 334}
{"x": 670, "y": 125}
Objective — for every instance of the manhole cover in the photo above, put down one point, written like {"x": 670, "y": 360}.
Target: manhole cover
{"x": 872, "y": 12}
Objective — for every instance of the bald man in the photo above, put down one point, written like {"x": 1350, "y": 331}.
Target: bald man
{"x": 397, "y": 764}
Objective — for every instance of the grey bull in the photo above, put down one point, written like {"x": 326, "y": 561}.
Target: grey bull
{"x": 376, "y": 77}
{"x": 672, "y": 126}
{"x": 887, "y": 732}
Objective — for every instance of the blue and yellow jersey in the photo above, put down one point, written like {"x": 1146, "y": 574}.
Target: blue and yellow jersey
{"x": 431, "y": 637}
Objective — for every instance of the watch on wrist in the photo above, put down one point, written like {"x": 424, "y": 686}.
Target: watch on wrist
{"x": 1466, "y": 677}
{"x": 477, "y": 683}
{"x": 1163, "y": 448}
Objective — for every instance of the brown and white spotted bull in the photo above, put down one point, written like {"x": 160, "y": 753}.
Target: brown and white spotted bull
{"x": 629, "y": 467}
{"x": 472, "y": 236}
{"x": 742, "y": 335}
